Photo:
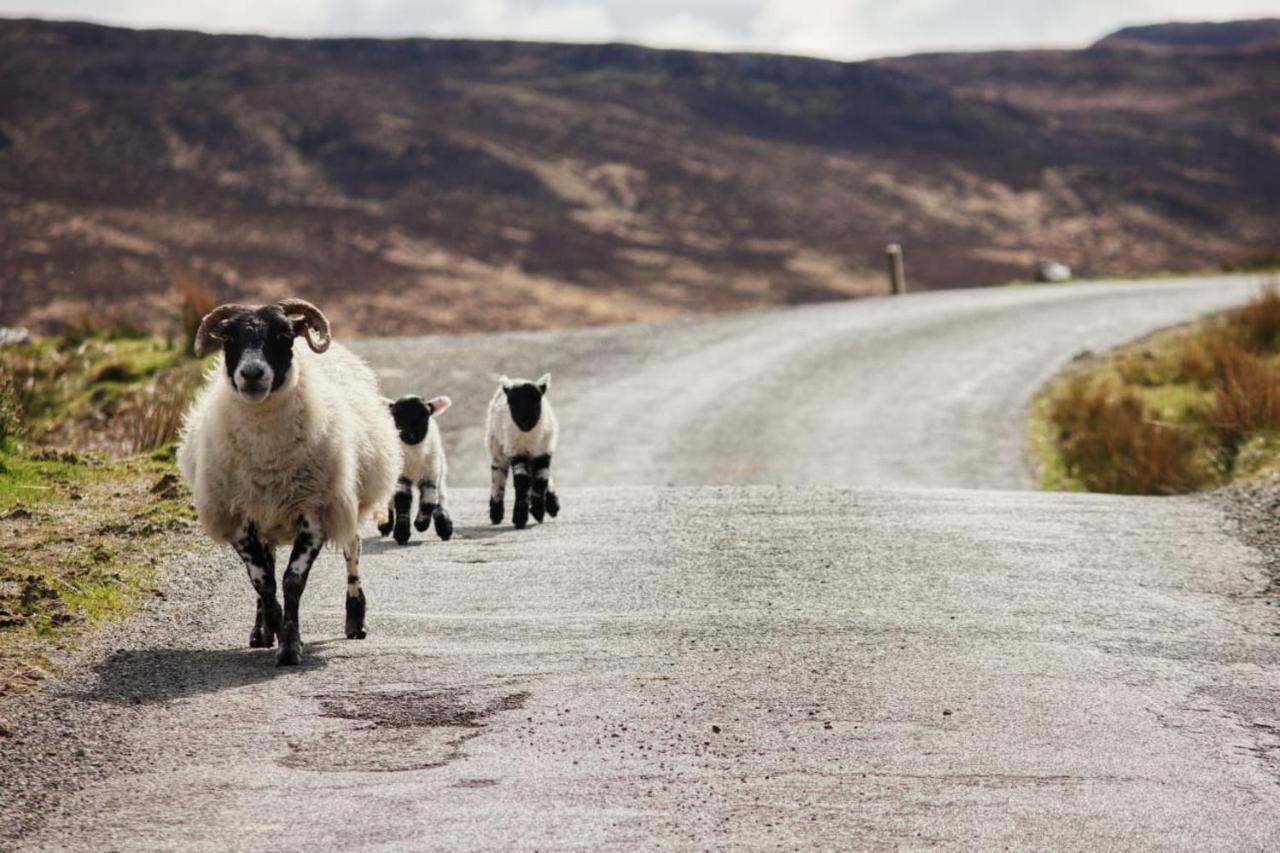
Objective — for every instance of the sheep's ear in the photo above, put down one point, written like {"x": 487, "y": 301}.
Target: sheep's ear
{"x": 437, "y": 405}
{"x": 544, "y": 383}
{"x": 506, "y": 383}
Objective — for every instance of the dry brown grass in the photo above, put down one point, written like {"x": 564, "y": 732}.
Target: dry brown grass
{"x": 1246, "y": 396}
{"x": 193, "y": 300}
{"x": 1257, "y": 325}
{"x": 1110, "y": 442}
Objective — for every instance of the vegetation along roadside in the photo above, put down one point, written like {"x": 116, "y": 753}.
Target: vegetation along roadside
{"x": 90, "y": 503}
{"x": 1186, "y": 409}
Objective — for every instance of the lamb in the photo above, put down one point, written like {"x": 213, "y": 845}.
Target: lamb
{"x": 424, "y": 464}
{"x": 521, "y": 431}
{"x": 288, "y": 445}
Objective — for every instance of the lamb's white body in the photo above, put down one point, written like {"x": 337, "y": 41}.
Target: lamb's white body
{"x": 320, "y": 447}
{"x": 425, "y": 461}
{"x": 506, "y": 440}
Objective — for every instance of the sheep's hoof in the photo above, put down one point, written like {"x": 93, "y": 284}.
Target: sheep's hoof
{"x": 257, "y": 640}
{"x": 290, "y": 655}
{"x": 444, "y": 525}
{"x": 402, "y": 529}
{"x": 537, "y": 508}
{"x": 495, "y": 511}
{"x": 423, "y": 521}
{"x": 553, "y": 504}
{"x": 520, "y": 515}
{"x": 355, "y": 616}
{"x": 384, "y": 528}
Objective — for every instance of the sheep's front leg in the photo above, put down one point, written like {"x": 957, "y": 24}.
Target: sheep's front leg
{"x": 260, "y": 560}
{"x": 538, "y": 504}
{"x": 385, "y": 527}
{"x": 428, "y": 500}
{"x": 520, "y": 474}
{"x": 355, "y": 593}
{"x": 431, "y": 508}
{"x": 498, "y": 491}
{"x": 403, "y": 502}
{"x": 306, "y": 546}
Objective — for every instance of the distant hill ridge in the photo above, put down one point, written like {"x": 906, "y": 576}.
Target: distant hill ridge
{"x": 1205, "y": 34}
{"x": 426, "y": 184}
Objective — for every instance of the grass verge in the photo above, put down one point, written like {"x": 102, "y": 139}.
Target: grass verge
{"x": 1186, "y": 409}
{"x": 90, "y": 504}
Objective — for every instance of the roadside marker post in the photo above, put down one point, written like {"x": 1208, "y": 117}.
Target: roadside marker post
{"x": 897, "y": 273}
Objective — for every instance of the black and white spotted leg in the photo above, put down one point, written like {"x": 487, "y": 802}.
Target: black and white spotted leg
{"x": 498, "y": 491}
{"x": 428, "y": 500}
{"x": 541, "y": 468}
{"x": 260, "y": 560}
{"x": 385, "y": 527}
{"x": 402, "y": 502}
{"x": 355, "y": 593}
{"x": 520, "y": 475}
{"x": 306, "y": 546}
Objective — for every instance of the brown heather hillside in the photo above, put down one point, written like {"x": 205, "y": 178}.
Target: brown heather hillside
{"x": 420, "y": 185}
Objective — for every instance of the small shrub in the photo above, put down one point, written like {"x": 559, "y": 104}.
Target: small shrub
{"x": 1246, "y": 397}
{"x": 1257, "y": 324}
{"x": 1111, "y": 444}
{"x": 157, "y": 419}
{"x": 10, "y": 415}
{"x": 194, "y": 302}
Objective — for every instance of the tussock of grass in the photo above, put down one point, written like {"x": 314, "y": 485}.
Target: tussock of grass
{"x": 1187, "y": 409}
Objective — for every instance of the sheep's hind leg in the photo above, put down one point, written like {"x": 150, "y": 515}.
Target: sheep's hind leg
{"x": 498, "y": 491}
{"x": 520, "y": 474}
{"x": 403, "y": 501}
{"x": 541, "y": 477}
{"x": 444, "y": 524}
{"x": 385, "y": 527}
{"x": 306, "y": 546}
{"x": 428, "y": 500}
{"x": 260, "y": 560}
{"x": 355, "y": 592}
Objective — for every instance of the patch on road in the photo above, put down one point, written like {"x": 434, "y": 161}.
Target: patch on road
{"x": 399, "y": 731}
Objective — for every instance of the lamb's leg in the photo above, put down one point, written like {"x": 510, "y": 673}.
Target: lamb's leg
{"x": 306, "y": 546}
{"x": 444, "y": 524}
{"x": 498, "y": 491}
{"x": 260, "y": 560}
{"x": 355, "y": 593}
{"x": 385, "y": 527}
{"x": 403, "y": 501}
{"x": 553, "y": 500}
{"x": 428, "y": 500}
{"x": 520, "y": 473}
{"x": 541, "y": 478}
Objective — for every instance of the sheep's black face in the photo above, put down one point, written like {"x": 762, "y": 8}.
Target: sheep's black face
{"x": 258, "y": 350}
{"x": 413, "y": 418}
{"x": 525, "y": 402}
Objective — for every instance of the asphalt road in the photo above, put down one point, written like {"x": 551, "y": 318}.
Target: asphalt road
{"x": 847, "y": 623}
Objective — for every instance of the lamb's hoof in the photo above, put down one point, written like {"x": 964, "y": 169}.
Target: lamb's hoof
{"x": 402, "y": 529}
{"x": 520, "y": 515}
{"x": 553, "y": 504}
{"x": 355, "y": 631}
{"x": 421, "y": 524}
{"x": 444, "y": 525}
{"x": 384, "y": 528}
{"x": 537, "y": 508}
{"x": 259, "y": 640}
{"x": 495, "y": 512}
{"x": 290, "y": 654}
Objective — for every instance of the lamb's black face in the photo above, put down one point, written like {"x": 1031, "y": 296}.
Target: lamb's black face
{"x": 258, "y": 348}
{"x": 525, "y": 402}
{"x": 413, "y": 418}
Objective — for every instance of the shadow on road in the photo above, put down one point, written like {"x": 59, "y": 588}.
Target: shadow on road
{"x": 148, "y": 676}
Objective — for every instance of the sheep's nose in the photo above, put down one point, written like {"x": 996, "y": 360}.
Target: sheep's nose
{"x": 252, "y": 372}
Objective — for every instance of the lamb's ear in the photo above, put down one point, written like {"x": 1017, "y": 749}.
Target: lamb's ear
{"x": 544, "y": 383}
{"x": 506, "y": 383}
{"x": 437, "y": 405}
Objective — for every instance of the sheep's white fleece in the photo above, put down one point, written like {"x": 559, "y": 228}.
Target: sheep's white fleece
{"x": 322, "y": 444}
{"x": 505, "y": 438}
{"x": 425, "y": 460}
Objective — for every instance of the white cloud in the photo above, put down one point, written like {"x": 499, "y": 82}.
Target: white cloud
{"x": 836, "y": 28}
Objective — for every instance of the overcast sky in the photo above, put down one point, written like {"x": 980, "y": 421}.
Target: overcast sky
{"x": 845, "y": 29}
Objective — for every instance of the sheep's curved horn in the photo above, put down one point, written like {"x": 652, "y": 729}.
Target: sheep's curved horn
{"x": 207, "y": 337}
{"x": 317, "y": 325}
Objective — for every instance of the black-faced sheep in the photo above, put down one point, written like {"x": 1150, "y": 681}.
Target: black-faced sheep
{"x": 522, "y": 431}
{"x": 284, "y": 444}
{"x": 424, "y": 465}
